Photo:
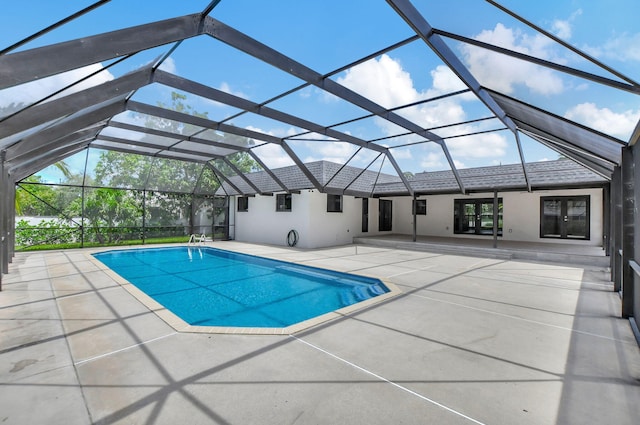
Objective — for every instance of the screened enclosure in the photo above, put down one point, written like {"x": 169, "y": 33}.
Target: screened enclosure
{"x": 118, "y": 126}
{"x": 100, "y": 197}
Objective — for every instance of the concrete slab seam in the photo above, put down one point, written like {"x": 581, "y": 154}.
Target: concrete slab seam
{"x": 523, "y": 319}
{"x": 122, "y": 349}
{"x": 381, "y": 378}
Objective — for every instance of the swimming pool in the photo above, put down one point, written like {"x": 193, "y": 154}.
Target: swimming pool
{"x": 212, "y": 287}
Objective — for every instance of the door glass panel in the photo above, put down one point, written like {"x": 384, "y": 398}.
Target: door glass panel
{"x": 365, "y": 215}
{"x": 469, "y": 225}
{"x": 486, "y": 218}
{"x": 220, "y": 217}
{"x": 384, "y": 222}
{"x": 551, "y": 218}
{"x": 576, "y": 219}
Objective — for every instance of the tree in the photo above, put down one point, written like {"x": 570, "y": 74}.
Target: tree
{"x": 33, "y": 198}
{"x": 110, "y": 208}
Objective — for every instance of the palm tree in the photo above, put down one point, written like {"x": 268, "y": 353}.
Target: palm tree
{"x": 20, "y": 197}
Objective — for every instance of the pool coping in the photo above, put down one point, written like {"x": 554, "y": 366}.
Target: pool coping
{"x": 180, "y": 325}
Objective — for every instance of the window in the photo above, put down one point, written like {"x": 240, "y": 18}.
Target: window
{"x": 564, "y": 217}
{"x": 334, "y": 203}
{"x": 243, "y": 203}
{"x": 384, "y": 217}
{"x": 420, "y": 207}
{"x": 283, "y": 202}
{"x": 365, "y": 215}
{"x": 475, "y": 216}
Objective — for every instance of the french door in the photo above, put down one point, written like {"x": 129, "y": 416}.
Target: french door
{"x": 565, "y": 217}
{"x": 475, "y": 216}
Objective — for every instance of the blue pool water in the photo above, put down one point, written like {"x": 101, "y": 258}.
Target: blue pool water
{"x": 212, "y": 287}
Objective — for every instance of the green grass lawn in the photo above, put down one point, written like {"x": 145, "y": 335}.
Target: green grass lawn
{"x": 172, "y": 239}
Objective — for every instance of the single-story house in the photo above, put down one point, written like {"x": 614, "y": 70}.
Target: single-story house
{"x": 559, "y": 201}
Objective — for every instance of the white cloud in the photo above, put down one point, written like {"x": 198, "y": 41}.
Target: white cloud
{"x": 385, "y": 82}
{"x": 33, "y": 91}
{"x": 169, "y": 65}
{"x": 338, "y": 152}
{"x": 382, "y": 80}
{"x": 459, "y": 164}
{"x": 622, "y": 47}
{"x": 488, "y": 145}
{"x": 504, "y": 73}
{"x": 273, "y": 156}
{"x": 435, "y": 114}
{"x": 225, "y": 87}
{"x": 402, "y": 153}
{"x": 276, "y": 132}
{"x": 432, "y": 161}
{"x": 445, "y": 81}
{"x": 563, "y": 28}
{"x": 306, "y": 92}
{"x": 618, "y": 124}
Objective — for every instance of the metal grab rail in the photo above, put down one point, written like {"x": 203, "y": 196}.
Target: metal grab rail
{"x": 197, "y": 238}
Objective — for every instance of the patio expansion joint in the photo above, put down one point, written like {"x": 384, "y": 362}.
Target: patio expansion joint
{"x": 66, "y": 341}
{"x": 525, "y": 320}
{"x": 90, "y": 359}
{"x": 383, "y": 379}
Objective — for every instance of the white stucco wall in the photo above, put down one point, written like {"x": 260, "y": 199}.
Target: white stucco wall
{"x": 263, "y": 224}
{"x": 318, "y": 228}
{"x": 309, "y": 217}
{"x": 521, "y": 215}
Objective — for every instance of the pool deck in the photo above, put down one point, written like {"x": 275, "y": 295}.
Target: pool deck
{"x": 470, "y": 340}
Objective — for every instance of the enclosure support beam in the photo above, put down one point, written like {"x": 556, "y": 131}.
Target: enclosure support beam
{"x": 302, "y": 167}
{"x": 524, "y": 164}
{"x": 632, "y": 88}
{"x": 249, "y": 106}
{"x": 220, "y": 175}
{"x": 28, "y": 65}
{"x": 260, "y": 51}
{"x": 628, "y": 207}
{"x": 4, "y": 216}
{"x": 616, "y": 229}
{"x": 414, "y": 212}
{"x": 70, "y": 104}
{"x": 275, "y": 178}
{"x": 241, "y": 175}
{"x": 606, "y": 227}
{"x": 3, "y": 207}
{"x": 43, "y": 140}
{"x": 495, "y": 218}
{"x": 156, "y": 111}
{"x": 12, "y": 216}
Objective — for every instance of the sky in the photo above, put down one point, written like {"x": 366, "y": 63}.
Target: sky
{"x": 326, "y": 36}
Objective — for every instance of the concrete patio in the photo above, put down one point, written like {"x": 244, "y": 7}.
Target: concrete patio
{"x": 470, "y": 340}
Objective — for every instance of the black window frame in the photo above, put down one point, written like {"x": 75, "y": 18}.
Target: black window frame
{"x": 243, "y": 203}
{"x": 365, "y": 215}
{"x": 385, "y": 215}
{"x": 284, "y": 202}
{"x": 421, "y": 205}
{"x": 334, "y": 203}
{"x": 459, "y": 211}
{"x": 563, "y": 228}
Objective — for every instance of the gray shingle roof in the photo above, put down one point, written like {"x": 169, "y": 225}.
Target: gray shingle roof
{"x": 562, "y": 173}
